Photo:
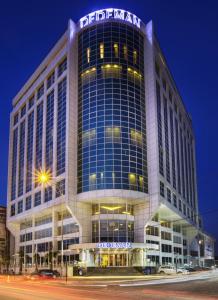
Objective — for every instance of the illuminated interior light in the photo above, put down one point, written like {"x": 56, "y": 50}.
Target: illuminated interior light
{"x": 88, "y": 51}
{"x": 101, "y": 50}
{"x": 111, "y": 208}
{"x": 126, "y": 212}
{"x": 92, "y": 70}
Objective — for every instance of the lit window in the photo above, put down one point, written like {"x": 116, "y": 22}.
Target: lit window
{"x": 88, "y": 75}
{"x": 110, "y": 70}
{"x": 134, "y": 75}
{"x": 116, "y": 50}
{"x": 136, "y": 137}
{"x": 88, "y": 137}
{"x": 113, "y": 133}
{"x": 88, "y": 51}
{"x": 132, "y": 179}
{"x": 141, "y": 182}
{"x": 125, "y": 53}
{"x": 92, "y": 181}
{"x": 101, "y": 50}
{"x": 135, "y": 57}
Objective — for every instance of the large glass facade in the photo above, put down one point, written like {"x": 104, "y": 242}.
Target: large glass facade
{"x": 111, "y": 120}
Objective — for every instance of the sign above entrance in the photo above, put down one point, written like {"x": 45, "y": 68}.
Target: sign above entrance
{"x": 114, "y": 245}
{"x": 110, "y": 13}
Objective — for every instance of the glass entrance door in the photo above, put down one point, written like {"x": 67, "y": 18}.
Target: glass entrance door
{"x": 114, "y": 260}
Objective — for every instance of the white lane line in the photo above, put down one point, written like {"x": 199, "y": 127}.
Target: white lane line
{"x": 164, "y": 281}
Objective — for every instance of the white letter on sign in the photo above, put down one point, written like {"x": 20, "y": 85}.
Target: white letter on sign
{"x": 119, "y": 14}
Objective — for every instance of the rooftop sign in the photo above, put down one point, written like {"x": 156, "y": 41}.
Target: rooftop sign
{"x": 110, "y": 13}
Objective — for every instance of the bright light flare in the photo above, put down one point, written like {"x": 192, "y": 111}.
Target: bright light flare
{"x": 43, "y": 177}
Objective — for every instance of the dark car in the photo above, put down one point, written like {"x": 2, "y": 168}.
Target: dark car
{"x": 45, "y": 273}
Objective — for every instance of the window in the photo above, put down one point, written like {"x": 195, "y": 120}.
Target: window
{"x": 60, "y": 188}
{"x": 50, "y": 80}
{"x": 16, "y": 118}
{"x": 88, "y": 52}
{"x": 134, "y": 57}
{"x": 174, "y": 200}
{"x": 168, "y": 195}
{"x": 166, "y": 235}
{"x": 177, "y": 250}
{"x": 92, "y": 181}
{"x": 116, "y": 50}
{"x": 164, "y": 84}
{"x": 112, "y": 134}
{"x": 152, "y": 230}
{"x": 161, "y": 188}
{"x": 88, "y": 75}
{"x": 31, "y": 102}
{"x": 12, "y": 210}
{"x": 43, "y": 220}
{"x": 101, "y": 50}
{"x": 68, "y": 228}
{"x": 177, "y": 228}
{"x": 125, "y": 52}
{"x": 111, "y": 71}
{"x": 20, "y": 207}
{"x": 40, "y": 91}
{"x": 136, "y": 137}
{"x": 88, "y": 137}
{"x": 184, "y": 209}
{"x": 28, "y": 203}
{"x": 48, "y": 194}
{"x": 23, "y": 111}
{"x": 166, "y": 248}
{"x": 165, "y": 224}
{"x": 62, "y": 67}
{"x": 132, "y": 180}
{"x": 37, "y": 199}
{"x": 40, "y": 234}
{"x": 177, "y": 239}
{"x": 157, "y": 69}
{"x": 180, "y": 205}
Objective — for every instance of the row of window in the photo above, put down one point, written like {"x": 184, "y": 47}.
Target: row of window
{"x": 60, "y": 190}
{"x": 115, "y": 49}
{"x": 49, "y": 143}
{"x": 171, "y": 198}
{"x": 40, "y": 91}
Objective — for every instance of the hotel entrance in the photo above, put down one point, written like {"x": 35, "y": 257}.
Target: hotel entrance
{"x": 113, "y": 260}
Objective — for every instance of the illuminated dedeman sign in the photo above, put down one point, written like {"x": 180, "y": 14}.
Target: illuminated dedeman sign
{"x": 114, "y": 245}
{"x": 110, "y": 13}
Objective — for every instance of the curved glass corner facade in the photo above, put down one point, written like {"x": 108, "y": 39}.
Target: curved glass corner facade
{"x": 111, "y": 121}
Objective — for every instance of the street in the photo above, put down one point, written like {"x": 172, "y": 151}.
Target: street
{"x": 196, "y": 286}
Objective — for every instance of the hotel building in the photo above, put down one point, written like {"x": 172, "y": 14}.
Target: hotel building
{"x": 103, "y": 116}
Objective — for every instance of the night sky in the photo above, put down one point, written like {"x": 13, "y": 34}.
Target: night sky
{"x": 188, "y": 34}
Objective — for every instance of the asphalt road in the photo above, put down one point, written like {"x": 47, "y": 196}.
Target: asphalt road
{"x": 198, "y": 287}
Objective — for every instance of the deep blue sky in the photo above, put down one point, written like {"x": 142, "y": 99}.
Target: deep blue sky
{"x": 188, "y": 34}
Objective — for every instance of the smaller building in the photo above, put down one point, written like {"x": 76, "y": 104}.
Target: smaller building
{"x": 4, "y": 241}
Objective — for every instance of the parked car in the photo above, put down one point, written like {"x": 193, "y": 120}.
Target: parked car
{"x": 44, "y": 273}
{"x": 171, "y": 270}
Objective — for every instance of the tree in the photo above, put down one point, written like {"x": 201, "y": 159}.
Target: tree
{"x": 37, "y": 260}
{"x": 50, "y": 257}
{"x": 21, "y": 261}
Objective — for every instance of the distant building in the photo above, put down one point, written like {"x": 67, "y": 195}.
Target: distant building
{"x": 4, "y": 241}
{"x": 103, "y": 116}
